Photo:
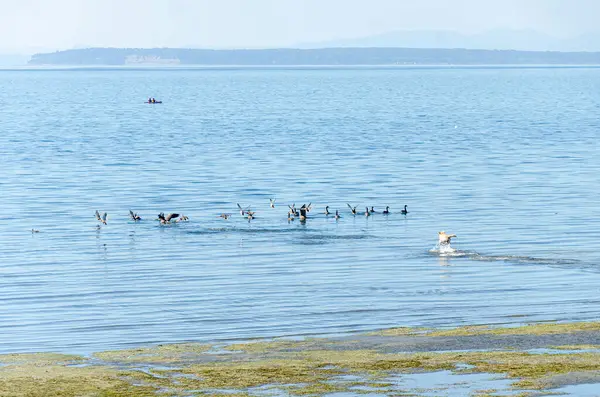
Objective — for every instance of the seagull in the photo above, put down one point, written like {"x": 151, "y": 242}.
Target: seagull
{"x": 101, "y": 219}
{"x": 293, "y": 210}
{"x": 352, "y": 209}
{"x": 272, "y": 203}
{"x": 386, "y": 211}
{"x": 224, "y": 216}
{"x": 404, "y": 211}
{"x": 134, "y": 216}
{"x": 243, "y": 210}
{"x": 444, "y": 238}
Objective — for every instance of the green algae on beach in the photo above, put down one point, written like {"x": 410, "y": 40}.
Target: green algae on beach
{"x": 317, "y": 370}
{"x": 529, "y": 329}
{"x": 27, "y": 380}
{"x": 158, "y": 354}
{"x": 576, "y": 347}
{"x": 361, "y": 364}
{"x": 40, "y": 358}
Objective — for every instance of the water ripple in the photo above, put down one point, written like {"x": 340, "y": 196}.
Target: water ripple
{"x": 484, "y": 153}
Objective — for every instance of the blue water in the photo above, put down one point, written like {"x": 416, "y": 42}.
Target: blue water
{"x": 505, "y": 158}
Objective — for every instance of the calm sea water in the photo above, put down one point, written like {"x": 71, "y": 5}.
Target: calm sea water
{"x": 505, "y": 158}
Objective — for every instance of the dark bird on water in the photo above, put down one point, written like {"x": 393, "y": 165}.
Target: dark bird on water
{"x": 167, "y": 219}
{"x": 404, "y": 211}
{"x": 352, "y": 209}
{"x": 134, "y": 216}
{"x": 386, "y": 211}
{"x": 303, "y": 212}
{"x": 101, "y": 219}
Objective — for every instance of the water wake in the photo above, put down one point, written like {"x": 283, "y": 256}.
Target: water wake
{"x": 445, "y": 250}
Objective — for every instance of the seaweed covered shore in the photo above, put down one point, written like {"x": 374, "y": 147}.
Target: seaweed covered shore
{"x": 530, "y": 360}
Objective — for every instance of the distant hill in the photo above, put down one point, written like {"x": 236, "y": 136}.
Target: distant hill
{"x": 326, "y": 56}
{"x": 498, "y": 39}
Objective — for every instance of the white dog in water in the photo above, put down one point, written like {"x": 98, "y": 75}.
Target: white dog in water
{"x": 444, "y": 238}
{"x": 444, "y": 243}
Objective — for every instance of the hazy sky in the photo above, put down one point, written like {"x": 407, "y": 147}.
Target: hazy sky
{"x": 27, "y": 25}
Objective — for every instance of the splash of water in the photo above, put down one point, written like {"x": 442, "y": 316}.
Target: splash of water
{"x": 446, "y": 250}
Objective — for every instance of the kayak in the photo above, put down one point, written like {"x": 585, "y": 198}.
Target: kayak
{"x": 153, "y": 102}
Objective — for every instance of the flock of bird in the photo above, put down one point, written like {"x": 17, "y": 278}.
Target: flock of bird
{"x": 162, "y": 218}
{"x": 294, "y": 213}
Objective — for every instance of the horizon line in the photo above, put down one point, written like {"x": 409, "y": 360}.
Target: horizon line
{"x": 297, "y": 48}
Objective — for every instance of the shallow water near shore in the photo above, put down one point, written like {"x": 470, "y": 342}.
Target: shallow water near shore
{"x": 504, "y": 158}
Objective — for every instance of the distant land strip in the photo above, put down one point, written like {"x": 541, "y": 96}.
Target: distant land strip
{"x": 299, "y": 57}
